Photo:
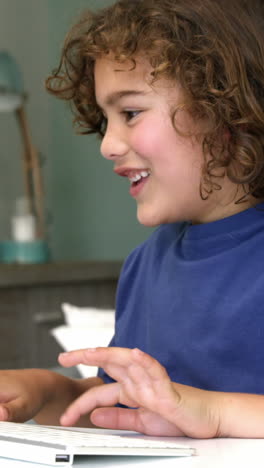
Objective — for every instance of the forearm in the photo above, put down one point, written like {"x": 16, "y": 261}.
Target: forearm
{"x": 227, "y": 414}
{"x": 242, "y": 415}
{"x": 60, "y": 391}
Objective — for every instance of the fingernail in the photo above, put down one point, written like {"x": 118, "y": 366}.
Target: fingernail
{"x": 90, "y": 350}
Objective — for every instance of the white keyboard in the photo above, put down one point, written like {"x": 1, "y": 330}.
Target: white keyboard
{"x": 58, "y": 445}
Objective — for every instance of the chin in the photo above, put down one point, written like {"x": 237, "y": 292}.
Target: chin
{"x": 149, "y": 220}
{"x": 153, "y": 220}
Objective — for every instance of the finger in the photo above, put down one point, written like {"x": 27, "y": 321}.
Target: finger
{"x": 153, "y": 388}
{"x": 4, "y": 415}
{"x": 149, "y": 378}
{"x": 157, "y": 374}
{"x": 103, "y": 395}
{"x": 96, "y": 357}
{"x": 150, "y": 365}
{"x": 72, "y": 358}
{"x": 114, "y": 361}
{"x": 116, "y": 418}
{"x": 134, "y": 420}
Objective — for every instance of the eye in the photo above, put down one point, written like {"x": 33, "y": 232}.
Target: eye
{"x": 130, "y": 114}
{"x": 103, "y": 126}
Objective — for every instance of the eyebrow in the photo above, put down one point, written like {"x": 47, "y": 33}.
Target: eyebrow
{"x": 112, "y": 98}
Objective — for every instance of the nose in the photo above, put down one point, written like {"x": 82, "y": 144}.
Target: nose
{"x": 113, "y": 145}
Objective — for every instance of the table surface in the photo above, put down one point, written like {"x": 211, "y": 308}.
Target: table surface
{"x": 214, "y": 453}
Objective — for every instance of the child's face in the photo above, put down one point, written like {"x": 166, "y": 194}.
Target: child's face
{"x": 142, "y": 143}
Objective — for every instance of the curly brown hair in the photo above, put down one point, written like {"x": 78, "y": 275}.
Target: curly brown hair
{"x": 213, "y": 48}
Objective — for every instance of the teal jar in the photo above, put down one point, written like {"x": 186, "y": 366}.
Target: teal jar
{"x": 36, "y": 251}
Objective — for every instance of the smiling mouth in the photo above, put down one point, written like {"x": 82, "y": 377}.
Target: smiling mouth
{"x": 137, "y": 183}
{"x": 137, "y": 178}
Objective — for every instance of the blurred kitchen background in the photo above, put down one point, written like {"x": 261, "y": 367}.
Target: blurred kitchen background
{"x": 89, "y": 211}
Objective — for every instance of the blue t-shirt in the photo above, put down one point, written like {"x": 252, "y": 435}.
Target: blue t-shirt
{"x": 192, "y": 296}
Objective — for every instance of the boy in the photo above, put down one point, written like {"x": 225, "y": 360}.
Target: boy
{"x": 175, "y": 89}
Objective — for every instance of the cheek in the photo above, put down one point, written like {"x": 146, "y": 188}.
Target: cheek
{"x": 152, "y": 138}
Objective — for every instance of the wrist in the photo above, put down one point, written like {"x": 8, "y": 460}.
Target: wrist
{"x": 198, "y": 412}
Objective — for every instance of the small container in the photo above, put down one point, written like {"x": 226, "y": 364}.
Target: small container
{"x": 24, "y": 246}
{"x": 23, "y": 223}
{"x": 24, "y": 252}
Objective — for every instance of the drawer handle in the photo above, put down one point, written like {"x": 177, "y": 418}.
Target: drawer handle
{"x": 47, "y": 317}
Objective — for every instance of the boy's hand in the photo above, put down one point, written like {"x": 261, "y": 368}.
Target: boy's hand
{"x": 39, "y": 394}
{"x": 160, "y": 407}
{"x": 21, "y": 394}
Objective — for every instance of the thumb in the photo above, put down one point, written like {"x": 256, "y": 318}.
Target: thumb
{"x": 14, "y": 411}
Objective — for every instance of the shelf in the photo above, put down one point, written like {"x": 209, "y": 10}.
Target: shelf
{"x": 12, "y": 275}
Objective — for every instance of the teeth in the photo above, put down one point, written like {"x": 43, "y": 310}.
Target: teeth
{"x": 144, "y": 174}
{"x": 136, "y": 178}
{"x": 140, "y": 175}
